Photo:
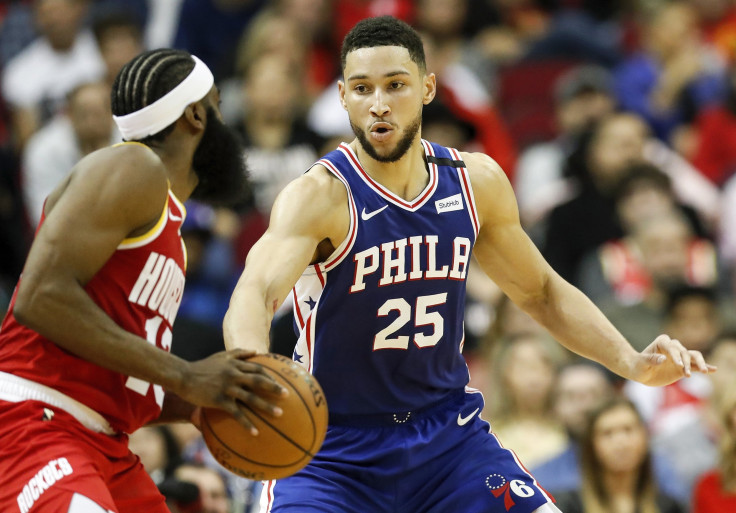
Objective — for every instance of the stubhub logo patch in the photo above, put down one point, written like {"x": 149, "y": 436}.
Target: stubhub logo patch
{"x": 449, "y": 204}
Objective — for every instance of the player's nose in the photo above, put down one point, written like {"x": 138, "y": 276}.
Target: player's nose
{"x": 379, "y": 106}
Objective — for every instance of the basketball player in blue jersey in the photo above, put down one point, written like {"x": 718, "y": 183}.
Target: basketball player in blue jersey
{"x": 374, "y": 244}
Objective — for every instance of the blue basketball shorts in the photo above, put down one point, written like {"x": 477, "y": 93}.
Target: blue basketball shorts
{"x": 441, "y": 460}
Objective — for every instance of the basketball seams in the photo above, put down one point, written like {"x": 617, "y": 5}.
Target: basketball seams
{"x": 242, "y": 457}
{"x": 304, "y": 403}
{"x": 293, "y": 378}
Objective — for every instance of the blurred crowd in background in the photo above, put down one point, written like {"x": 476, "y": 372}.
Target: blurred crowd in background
{"x": 615, "y": 122}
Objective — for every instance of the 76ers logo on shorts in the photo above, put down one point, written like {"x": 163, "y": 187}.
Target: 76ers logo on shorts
{"x": 499, "y": 486}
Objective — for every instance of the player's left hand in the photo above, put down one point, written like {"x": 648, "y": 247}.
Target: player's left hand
{"x": 666, "y": 360}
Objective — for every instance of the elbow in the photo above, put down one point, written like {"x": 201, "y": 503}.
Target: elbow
{"x": 26, "y": 307}
{"x": 22, "y": 308}
{"x": 540, "y": 299}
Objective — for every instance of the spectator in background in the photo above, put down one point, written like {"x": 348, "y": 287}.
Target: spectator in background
{"x": 157, "y": 450}
{"x": 723, "y": 351}
{"x": 315, "y": 21}
{"x": 514, "y": 26}
{"x": 243, "y": 493}
{"x": 597, "y": 164}
{"x": 715, "y": 150}
{"x": 53, "y": 151}
{"x": 727, "y": 234}
{"x": 213, "y": 495}
{"x": 715, "y": 491}
{"x": 582, "y": 387}
{"x": 583, "y": 97}
{"x": 678, "y": 412}
{"x": 278, "y": 144}
{"x": 523, "y": 379}
{"x": 450, "y": 25}
{"x": 16, "y": 28}
{"x": 37, "y": 80}
{"x": 615, "y": 271}
{"x": 663, "y": 244}
{"x": 350, "y": 12}
{"x": 211, "y": 29}
{"x": 460, "y": 84}
{"x": 119, "y": 36}
{"x": 718, "y": 24}
{"x": 584, "y": 30}
{"x": 616, "y": 466}
{"x": 674, "y": 75}
{"x": 441, "y": 125}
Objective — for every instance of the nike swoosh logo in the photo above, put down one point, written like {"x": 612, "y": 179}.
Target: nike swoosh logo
{"x": 461, "y": 421}
{"x": 367, "y": 215}
{"x": 173, "y": 217}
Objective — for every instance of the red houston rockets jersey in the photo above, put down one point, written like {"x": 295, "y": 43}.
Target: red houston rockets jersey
{"x": 140, "y": 288}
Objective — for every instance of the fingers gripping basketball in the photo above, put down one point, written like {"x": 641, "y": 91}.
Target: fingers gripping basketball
{"x": 285, "y": 444}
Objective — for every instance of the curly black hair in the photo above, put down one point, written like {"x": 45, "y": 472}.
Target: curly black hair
{"x": 145, "y": 79}
{"x": 384, "y": 31}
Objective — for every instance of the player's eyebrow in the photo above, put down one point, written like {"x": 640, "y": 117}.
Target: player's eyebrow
{"x": 387, "y": 75}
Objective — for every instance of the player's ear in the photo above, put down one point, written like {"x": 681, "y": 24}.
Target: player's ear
{"x": 341, "y": 89}
{"x": 195, "y": 114}
{"x": 430, "y": 88}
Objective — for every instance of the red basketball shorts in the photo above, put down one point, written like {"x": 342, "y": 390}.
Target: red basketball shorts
{"x": 47, "y": 457}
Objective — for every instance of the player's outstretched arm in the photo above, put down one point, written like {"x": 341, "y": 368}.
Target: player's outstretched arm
{"x": 113, "y": 194}
{"x": 511, "y": 259}
{"x": 309, "y": 218}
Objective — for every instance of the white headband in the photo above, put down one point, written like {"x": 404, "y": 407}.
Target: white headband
{"x": 153, "y": 118}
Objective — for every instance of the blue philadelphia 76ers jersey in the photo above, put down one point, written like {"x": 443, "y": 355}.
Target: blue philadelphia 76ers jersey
{"x": 381, "y": 320}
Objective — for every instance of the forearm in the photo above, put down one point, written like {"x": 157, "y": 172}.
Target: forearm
{"x": 248, "y": 319}
{"x": 175, "y": 409}
{"x": 65, "y": 314}
{"x": 580, "y": 326}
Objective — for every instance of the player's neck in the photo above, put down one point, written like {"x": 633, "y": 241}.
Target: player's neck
{"x": 178, "y": 163}
{"x": 407, "y": 177}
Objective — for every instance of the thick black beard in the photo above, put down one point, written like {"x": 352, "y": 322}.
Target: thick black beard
{"x": 401, "y": 148}
{"x": 219, "y": 163}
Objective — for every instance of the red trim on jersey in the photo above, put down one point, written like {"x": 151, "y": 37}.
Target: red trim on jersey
{"x": 320, "y": 275}
{"x": 298, "y": 309}
{"x": 269, "y": 493}
{"x": 465, "y": 182}
{"x": 388, "y": 195}
{"x": 353, "y": 215}
{"x": 308, "y": 339}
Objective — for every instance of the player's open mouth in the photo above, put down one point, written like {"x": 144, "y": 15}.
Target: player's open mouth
{"x": 381, "y": 131}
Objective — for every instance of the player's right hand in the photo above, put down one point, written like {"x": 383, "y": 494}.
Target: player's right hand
{"x": 227, "y": 380}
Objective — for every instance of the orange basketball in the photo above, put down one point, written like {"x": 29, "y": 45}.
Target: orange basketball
{"x": 284, "y": 444}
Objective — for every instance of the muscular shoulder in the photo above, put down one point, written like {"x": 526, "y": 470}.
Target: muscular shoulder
{"x": 316, "y": 191}
{"x": 493, "y": 193}
{"x": 128, "y": 181}
{"x": 315, "y": 204}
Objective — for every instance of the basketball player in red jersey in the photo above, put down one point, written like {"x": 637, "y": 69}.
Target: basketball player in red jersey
{"x": 84, "y": 348}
